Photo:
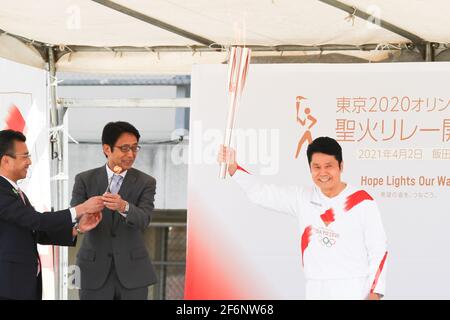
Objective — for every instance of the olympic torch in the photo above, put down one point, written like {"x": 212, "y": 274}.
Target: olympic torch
{"x": 238, "y": 64}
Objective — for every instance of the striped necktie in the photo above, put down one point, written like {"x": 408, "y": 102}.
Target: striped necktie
{"x": 116, "y": 183}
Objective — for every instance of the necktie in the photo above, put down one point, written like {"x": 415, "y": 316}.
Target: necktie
{"x": 116, "y": 183}
{"x": 115, "y": 187}
{"x": 22, "y": 195}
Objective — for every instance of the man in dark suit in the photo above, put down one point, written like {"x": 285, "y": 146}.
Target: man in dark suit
{"x": 113, "y": 260}
{"x": 22, "y": 227}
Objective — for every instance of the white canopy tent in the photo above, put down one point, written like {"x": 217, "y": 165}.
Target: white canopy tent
{"x": 168, "y": 36}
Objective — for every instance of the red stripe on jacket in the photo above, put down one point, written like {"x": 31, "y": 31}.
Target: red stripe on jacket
{"x": 356, "y": 198}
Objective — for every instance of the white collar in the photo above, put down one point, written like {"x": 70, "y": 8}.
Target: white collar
{"x": 110, "y": 173}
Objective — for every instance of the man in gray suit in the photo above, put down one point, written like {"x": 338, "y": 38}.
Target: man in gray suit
{"x": 113, "y": 260}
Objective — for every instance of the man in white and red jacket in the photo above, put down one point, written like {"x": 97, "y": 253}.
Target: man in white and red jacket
{"x": 343, "y": 244}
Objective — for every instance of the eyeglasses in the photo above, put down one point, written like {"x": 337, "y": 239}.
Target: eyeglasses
{"x": 20, "y": 155}
{"x": 126, "y": 148}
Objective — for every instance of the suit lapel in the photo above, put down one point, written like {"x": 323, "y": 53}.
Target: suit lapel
{"x": 5, "y": 186}
{"x": 8, "y": 188}
{"x": 127, "y": 185}
{"x": 102, "y": 180}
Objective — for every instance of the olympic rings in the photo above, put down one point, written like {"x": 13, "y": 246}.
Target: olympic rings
{"x": 327, "y": 241}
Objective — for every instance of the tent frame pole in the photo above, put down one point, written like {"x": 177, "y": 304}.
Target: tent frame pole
{"x": 57, "y": 170}
{"x": 155, "y": 22}
{"x": 425, "y": 47}
{"x": 42, "y": 48}
{"x": 382, "y": 23}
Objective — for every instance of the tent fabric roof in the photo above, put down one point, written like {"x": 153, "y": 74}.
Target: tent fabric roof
{"x": 69, "y": 23}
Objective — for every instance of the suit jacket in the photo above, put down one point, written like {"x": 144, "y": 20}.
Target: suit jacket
{"x": 116, "y": 239}
{"x": 21, "y": 228}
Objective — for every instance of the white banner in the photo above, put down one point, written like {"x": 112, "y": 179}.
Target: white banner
{"x": 23, "y": 107}
{"x": 393, "y": 123}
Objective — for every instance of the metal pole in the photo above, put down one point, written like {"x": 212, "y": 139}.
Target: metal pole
{"x": 155, "y": 22}
{"x": 57, "y": 168}
{"x": 163, "y": 237}
{"x": 429, "y": 51}
{"x": 52, "y": 89}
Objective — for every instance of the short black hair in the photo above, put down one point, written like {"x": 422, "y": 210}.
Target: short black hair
{"x": 113, "y": 130}
{"x": 324, "y": 145}
{"x": 7, "y": 138}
